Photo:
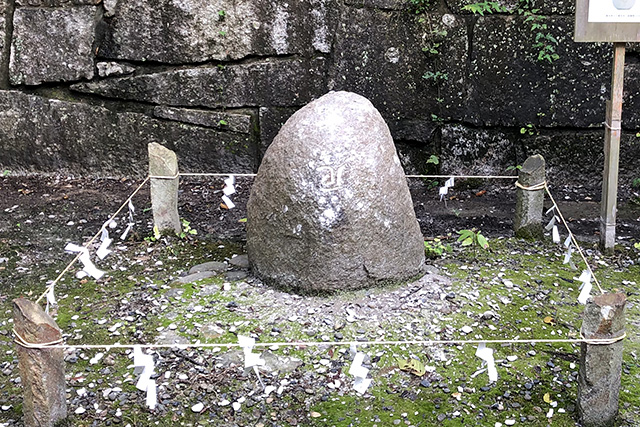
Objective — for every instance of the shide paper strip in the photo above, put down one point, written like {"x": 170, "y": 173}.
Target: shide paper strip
{"x": 131, "y": 222}
{"x": 227, "y": 201}
{"x": 567, "y": 256}
{"x": 555, "y": 234}
{"x": 586, "y": 286}
{"x": 250, "y": 359}
{"x": 103, "y": 250}
{"x": 51, "y": 299}
{"x": 486, "y": 354}
{"x": 229, "y": 188}
{"x": 89, "y": 268}
{"x": 445, "y": 189}
{"x": 143, "y": 365}
{"x": 361, "y": 383}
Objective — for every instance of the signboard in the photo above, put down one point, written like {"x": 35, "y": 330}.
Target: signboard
{"x": 614, "y": 11}
{"x": 607, "y": 21}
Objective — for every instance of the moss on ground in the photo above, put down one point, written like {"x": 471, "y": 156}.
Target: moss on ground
{"x": 531, "y": 293}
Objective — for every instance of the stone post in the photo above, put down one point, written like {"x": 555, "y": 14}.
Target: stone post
{"x": 164, "y": 191}
{"x": 527, "y": 222}
{"x": 601, "y": 365}
{"x": 41, "y": 370}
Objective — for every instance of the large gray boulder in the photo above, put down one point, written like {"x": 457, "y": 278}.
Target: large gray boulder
{"x": 330, "y": 208}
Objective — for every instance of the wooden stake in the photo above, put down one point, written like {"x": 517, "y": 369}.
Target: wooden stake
{"x": 612, "y": 152}
{"x": 41, "y": 370}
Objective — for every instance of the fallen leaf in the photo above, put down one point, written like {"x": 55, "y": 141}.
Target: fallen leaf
{"x": 223, "y": 206}
{"x": 242, "y": 220}
{"x": 549, "y": 320}
{"x": 458, "y": 396}
{"x": 315, "y": 414}
{"x": 547, "y": 398}
{"x": 481, "y": 193}
{"x": 411, "y": 365}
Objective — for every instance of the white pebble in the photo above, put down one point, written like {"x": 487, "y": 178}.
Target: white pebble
{"x": 198, "y": 407}
{"x": 466, "y": 329}
{"x": 510, "y": 422}
{"x": 236, "y": 406}
{"x": 512, "y": 358}
{"x": 225, "y": 402}
{"x": 80, "y": 410}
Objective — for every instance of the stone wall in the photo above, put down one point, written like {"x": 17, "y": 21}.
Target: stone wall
{"x": 86, "y": 84}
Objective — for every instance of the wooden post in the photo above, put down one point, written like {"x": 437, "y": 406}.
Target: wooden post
{"x": 601, "y": 364}
{"x": 41, "y": 370}
{"x": 164, "y": 191}
{"x": 612, "y": 152}
{"x": 527, "y": 222}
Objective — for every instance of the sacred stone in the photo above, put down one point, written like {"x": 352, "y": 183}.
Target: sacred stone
{"x": 330, "y": 208}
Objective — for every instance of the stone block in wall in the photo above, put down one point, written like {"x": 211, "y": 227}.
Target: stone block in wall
{"x": 200, "y": 30}
{"x": 276, "y": 82}
{"x": 387, "y": 63}
{"x": 234, "y": 122}
{"x": 271, "y": 120}
{"x": 509, "y": 86}
{"x": 41, "y": 134}
{"x": 52, "y": 45}
{"x": 472, "y": 151}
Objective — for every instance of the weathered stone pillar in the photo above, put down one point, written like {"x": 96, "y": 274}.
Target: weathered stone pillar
{"x": 601, "y": 365}
{"x": 164, "y": 191}
{"x": 527, "y": 222}
{"x": 41, "y": 370}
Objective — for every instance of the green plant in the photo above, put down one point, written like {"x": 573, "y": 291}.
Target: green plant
{"x": 637, "y": 246}
{"x": 418, "y": 6}
{"x": 544, "y": 41}
{"x": 529, "y": 129}
{"x": 222, "y": 33}
{"x": 514, "y": 168}
{"x": 222, "y": 14}
{"x": 186, "y": 229}
{"x": 435, "y": 248}
{"x": 6, "y": 172}
{"x": 433, "y": 160}
{"x": 222, "y": 123}
{"x": 473, "y": 238}
{"x": 155, "y": 236}
{"x": 485, "y": 7}
{"x": 435, "y": 77}
{"x": 635, "y": 183}
{"x": 435, "y": 118}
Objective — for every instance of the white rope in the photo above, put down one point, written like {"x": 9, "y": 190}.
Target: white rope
{"x": 573, "y": 238}
{"x": 595, "y": 341}
{"x": 406, "y": 176}
{"x": 86, "y": 245}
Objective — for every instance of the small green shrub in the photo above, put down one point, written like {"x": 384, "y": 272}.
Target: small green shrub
{"x": 435, "y": 248}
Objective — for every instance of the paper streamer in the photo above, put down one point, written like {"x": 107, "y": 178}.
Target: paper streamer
{"x": 229, "y": 188}
{"x": 227, "y": 201}
{"x": 486, "y": 354}
{"x": 443, "y": 192}
{"x": 551, "y": 209}
{"x": 51, "y": 299}
{"x": 143, "y": 365}
{"x": 555, "y": 234}
{"x": 551, "y": 223}
{"x": 361, "y": 383}
{"x": 131, "y": 222}
{"x": 250, "y": 359}
{"x": 89, "y": 268}
{"x": 567, "y": 256}
{"x": 103, "y": 250}
{"x": 449, "y": 183}
{"x": 586, "y": 286}
{"x": 567, "y": 241}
